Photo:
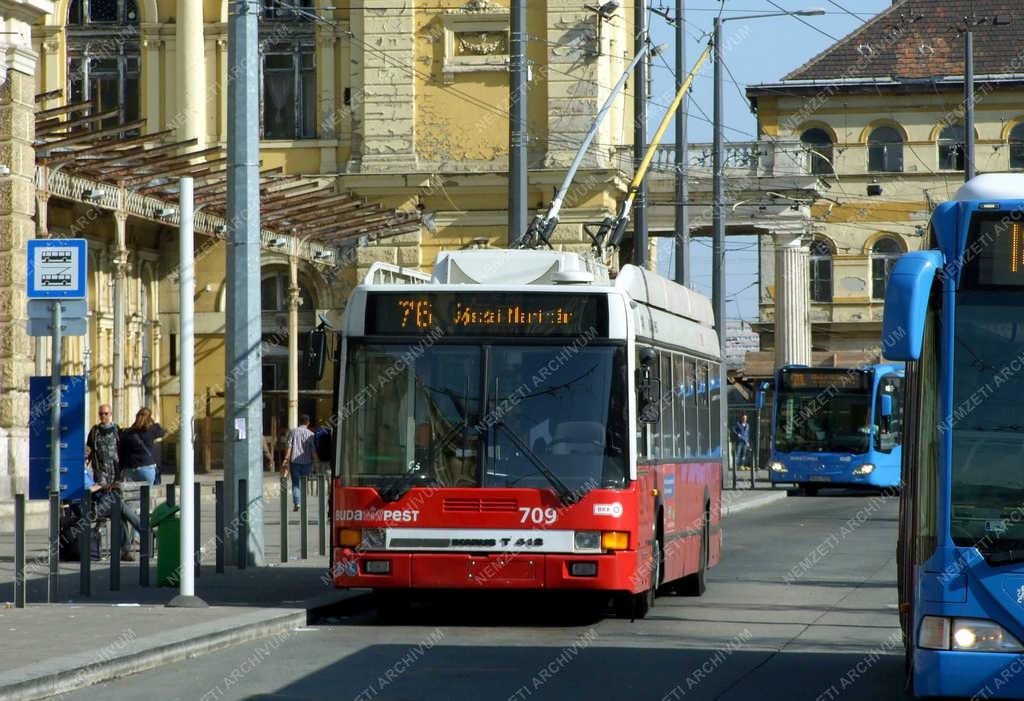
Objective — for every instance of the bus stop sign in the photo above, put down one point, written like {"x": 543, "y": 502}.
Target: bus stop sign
{"x": 56, "y": 268}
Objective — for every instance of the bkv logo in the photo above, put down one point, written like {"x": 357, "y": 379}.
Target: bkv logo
{"x": 1020, "y": 596}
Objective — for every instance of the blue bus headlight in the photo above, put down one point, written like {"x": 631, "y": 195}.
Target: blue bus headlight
{"x": 777, "y": 466}
{"x": 966, "y": 635}
{"x": 865, "y": 469}
{"x": 978, "y": 635}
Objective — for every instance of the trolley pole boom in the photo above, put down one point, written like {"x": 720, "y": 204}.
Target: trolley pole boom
{"x": 542, "y": 225}
{"x": 618, "y": 225}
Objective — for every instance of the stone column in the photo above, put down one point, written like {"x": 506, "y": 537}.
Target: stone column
{"x": 119, "y": 257}
{"x": 385, "y": 48}
{"x": 792, "y": 299}
{"x": 191, "y": 66}
{"x": 17, "y": 205}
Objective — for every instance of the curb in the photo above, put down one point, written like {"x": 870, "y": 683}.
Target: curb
{"x": 754, "y": 503}
{"x": 78, "y": 671}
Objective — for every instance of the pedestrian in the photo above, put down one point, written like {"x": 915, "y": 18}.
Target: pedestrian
{"x": 741, "y": 440}
{"x": 323, "y": 444}
{"x": 102, "y": 449}
{"x": 298, "y": 458}
{"x": 138, "y": 448}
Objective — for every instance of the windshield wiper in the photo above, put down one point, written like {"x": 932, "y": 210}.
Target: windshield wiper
{"x": 398, "y": 488}
{"x": 564, "y": 493}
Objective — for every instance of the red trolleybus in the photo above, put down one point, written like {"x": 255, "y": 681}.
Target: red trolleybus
{"x": 520, "y": 421}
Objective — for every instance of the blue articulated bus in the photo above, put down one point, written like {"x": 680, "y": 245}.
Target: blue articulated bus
{"x": 955, "y": 315}
{"x": 837, "y": 427}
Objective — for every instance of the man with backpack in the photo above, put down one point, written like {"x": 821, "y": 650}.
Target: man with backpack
{"x": 102, "y": 450}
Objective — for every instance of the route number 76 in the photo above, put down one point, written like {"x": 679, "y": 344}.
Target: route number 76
{"x": 538, "y": 515}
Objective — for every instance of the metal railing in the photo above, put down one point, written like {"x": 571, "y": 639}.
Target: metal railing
{"x": 764, "y": 158}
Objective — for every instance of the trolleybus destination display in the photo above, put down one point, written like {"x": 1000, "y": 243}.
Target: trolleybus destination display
{"x": 486, "y": 314}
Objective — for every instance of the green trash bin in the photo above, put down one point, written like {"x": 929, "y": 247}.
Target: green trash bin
{"x": 167, "y": 523}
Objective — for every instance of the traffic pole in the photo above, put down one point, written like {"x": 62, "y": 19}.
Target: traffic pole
{"x": 55, "y": 399}
{"x": 186, "y": 597}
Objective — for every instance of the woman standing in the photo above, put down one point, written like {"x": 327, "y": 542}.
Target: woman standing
{"x": 138, "y": 448}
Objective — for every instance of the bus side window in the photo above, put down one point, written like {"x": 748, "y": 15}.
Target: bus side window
{"x": 679, "y": 403}
{"x": 703, "y": 410}
{"x": 668, "y": 430}
{"x": 690, "y": 403}
{"x": 716, "y": 409}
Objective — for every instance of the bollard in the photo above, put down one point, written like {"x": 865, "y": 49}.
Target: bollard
{"x": 54, "y": 548}
{"x": 169, "y": 491}
{"x": 85, "y": 546}
{"x": 243, "y": 525}
{"x": 303, "y": 519}
{"x": 145, "y": 536}
{"x": 116, "y": 541}
{"x": 284, "y": 519}
{"x": 197, "y": 512}
{"x": 19, "y": 551}
{"x": 218, "y": 498}
{"x": 321, "y": 520}
{"x": 753, "y": 472}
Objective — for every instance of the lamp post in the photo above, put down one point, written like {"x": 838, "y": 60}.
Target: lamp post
{"x": 718, "y": 208}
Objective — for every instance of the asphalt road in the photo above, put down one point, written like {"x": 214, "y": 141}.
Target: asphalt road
{"x": 801, "y": 607}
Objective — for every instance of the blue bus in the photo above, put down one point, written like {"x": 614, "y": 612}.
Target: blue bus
{"x": 837, "y": 427}
{"x": 955, "y": 315}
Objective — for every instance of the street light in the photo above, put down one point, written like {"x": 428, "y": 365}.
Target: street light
{"x": 717, "y": 209}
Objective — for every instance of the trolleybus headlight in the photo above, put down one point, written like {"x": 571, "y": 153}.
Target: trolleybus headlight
{"x": 978, "y": 635}
{"x": 865, "y": 469}
{"x": 583, "y": 569}
{"x": 614, "y": 540}
{"x": 350, "y": 537}
{"x": 587, "y": 540}
{"x": 777, "y": 466}
{"x": 373, "y": 539}
{"x": 377, "y": 566}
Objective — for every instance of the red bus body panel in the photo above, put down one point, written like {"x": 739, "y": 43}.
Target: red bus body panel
{"x": 667, "y": 499}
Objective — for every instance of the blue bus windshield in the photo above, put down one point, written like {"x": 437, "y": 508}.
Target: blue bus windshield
{"x": 823, "y": 422}
{"x": 986, "y": 422}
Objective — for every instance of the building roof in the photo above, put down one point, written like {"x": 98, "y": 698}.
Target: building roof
{"x": 917, "y": 39}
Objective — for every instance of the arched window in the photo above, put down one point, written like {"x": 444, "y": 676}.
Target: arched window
{"x": 885, "y": 150}
{"x": 819, "y": 144}
{"x": 821, "y": 271}
{"x": 103, "y": 57}
{"x": 883, "y": 257}
{"x": 952, "y": 147}
{"x": 1017, "y": 146}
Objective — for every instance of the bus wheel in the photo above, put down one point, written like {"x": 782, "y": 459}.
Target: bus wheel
{"x": 634, "y": 606}
{"x": 695, "y": 584}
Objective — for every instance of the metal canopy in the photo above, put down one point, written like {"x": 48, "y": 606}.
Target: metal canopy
{"x": 119, "y": 168}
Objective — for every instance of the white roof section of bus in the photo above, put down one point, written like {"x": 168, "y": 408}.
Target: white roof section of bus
{"x": 991, "y": 187}
{"x": 661, "y": 293}
{"x": 517, "y": 267}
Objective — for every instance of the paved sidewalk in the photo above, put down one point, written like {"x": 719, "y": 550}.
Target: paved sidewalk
{"x": 54, "y": 648}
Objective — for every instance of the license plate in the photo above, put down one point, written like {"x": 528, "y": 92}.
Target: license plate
{"x": 821, "y": 478}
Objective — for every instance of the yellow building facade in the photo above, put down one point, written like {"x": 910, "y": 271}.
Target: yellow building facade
{"x": 401, "y": 104}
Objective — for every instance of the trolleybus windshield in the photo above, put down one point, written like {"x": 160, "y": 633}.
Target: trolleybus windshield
{"x": 485, "y": 415}
{"x": 987, "y": 424}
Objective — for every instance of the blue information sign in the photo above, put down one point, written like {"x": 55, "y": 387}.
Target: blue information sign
{"x": 56, "y": 268}
{"x": 72, "y": 431}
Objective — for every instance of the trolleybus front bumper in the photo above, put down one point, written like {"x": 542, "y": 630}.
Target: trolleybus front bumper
{"x": 599, "y": 572}
{"x": 971, "y": 675}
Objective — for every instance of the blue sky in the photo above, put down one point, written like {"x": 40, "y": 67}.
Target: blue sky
{"x": 756, "y": 51}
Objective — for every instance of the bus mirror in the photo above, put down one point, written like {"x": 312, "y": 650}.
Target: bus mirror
{"x": 649, "y": 400}
{"x": 906, "y": 303}
{"x": 315, "y": 357}
{"x": 886, "y": 405}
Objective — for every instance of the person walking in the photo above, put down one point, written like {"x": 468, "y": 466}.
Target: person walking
{"x": 298, "y": 458}
{"x": 102, "y": 449}
{"x": 138, "y": 448}
{"x": 741, "y": 439}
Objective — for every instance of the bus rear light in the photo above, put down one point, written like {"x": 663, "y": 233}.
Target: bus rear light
{"x": 350, "y": 537}
{"x": 583, "y": 569}
{"x": 377, "y": 566}
{"x": 614, "y": 540}
{"x": 777, "y": 466}
{"x": 865, "y": 469}
{"x": 934, "y": 634}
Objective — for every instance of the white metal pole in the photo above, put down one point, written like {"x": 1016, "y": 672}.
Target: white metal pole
{"x": 186, "y": 409}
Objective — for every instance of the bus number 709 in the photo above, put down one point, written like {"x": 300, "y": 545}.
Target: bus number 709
{"x": 538, "y": 515}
